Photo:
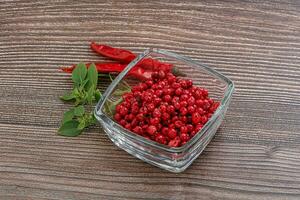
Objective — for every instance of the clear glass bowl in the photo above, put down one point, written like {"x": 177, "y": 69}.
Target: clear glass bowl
{"x": 172, "y": 159}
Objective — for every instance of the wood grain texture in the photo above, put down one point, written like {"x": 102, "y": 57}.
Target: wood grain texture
{"x": 254, "y": 155}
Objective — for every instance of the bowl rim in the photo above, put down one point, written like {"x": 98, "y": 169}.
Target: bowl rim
{"x": 227, "y": 96}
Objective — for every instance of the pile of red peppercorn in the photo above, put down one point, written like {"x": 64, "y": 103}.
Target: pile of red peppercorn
{"x": 165, "y": 109}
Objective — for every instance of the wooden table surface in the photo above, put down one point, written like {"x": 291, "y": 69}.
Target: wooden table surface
{"x": 255, "y": 153}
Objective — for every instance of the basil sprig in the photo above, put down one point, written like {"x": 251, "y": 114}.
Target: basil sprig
{"x": 84, "y": 93}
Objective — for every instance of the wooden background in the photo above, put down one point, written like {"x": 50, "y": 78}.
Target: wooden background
{"x": 254, "y": 155}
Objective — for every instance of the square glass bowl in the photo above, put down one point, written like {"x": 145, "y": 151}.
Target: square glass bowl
{"x": 175, "y": 159}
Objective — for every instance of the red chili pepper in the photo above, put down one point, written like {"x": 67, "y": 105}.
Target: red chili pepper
{"x": 126, "y": 56}
{"x": 121, "y": 55}
{"x": 136, "y": 72}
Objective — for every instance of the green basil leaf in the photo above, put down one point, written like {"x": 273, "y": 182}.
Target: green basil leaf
{"x": 69, "y": 129}
{"x": 79, "y": 111}
{"x": 79, "y": 74}
{"x": 68, "y": 116}
{"x": 92, "y": 76}
{"x": 68, "y": 97}
{"x": 84, "y": 83}
{"x": 90, "y": 95}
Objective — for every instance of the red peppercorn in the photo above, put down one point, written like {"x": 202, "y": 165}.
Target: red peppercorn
{"x": 128, "y": 126}
{"x": 135, "y": 109}
{"x": 196, "y": 118}
{"x": 159, "y": 126}
{"x": 156, "y": 113}
{"x": 206, "y": 104}
{"x": 189, "y": 83}
{"x": 123, "y": 111}
{"x": 183, "y": 83}
{"x": 137, "y": 94}
{"x": 157, "y": 101}
{"x": 165, "y": 130}
{"x": 175, "y": 142}
{"x": 184, "y": 97}
{"x": 151, "y": 130}
{"x": 184, "y": 119}
{"x": 149, "y": 83}
{"x": 134, "y": 122}
{"x": 171, "y": 109}
{"x": 209, "y": 115}
{"x": 197, "y": 94}
{"x": 178, "y": 91}
{"x": 178, "y": 124}
{"x": 204, "y": 119}
{"x": 167, "y": 98}
{"x": 198, "y": 127}
{"x": 161, "y": 139}
{"x": 184, "y": 137}
{"x": 183, "y": 111}
{"x": 189, "y": 127}
{"x": 117, "y": 117}
{"x": 165, "y": 116}
{"x": 140, "y": 117}
{"x": 158, "y": 93}
{"x": 185, "y": 91}
{"x": 176, "y": 85}
{"x": 150, "y": 107}
{"x": 122, "y": 122}
{"x": 193, "y": 133}
{"x": 161, "y": 74}
{"x": 183, "y": 103}
{"x": 204, "y": 93}
{"x": 119, "y": 107}
{"x": 154, "y": 121}
{"x": 127, "y": 118}
{"x": 175, "y": 99}
{"x": 171, "y": 125}
{"x": 183, "y": 129}
{"x": 177, "y": 105}
{"x": 137, "y": 129}
{"x": 191, "y": 101}
{"x": 163, "y": 108}
{"x": 200, "y": 111}
{"x": 171, "y": 78}
{"x": 172, "y": 133}
{"x": 191, "y": 109}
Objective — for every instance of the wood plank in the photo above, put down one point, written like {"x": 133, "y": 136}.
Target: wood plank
{"x": 255, "y": 154}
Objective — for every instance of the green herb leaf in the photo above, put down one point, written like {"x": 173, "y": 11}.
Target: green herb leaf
{"x": 81, "y": 125}
{"x": 90, "y": 95}
{"x": 97, "y": 95}
{"x": 79, "y": 111}
{"x": 79, "y": 74}
{"x": 68, "y": 116}
{"x": 92, "y": 76}
{"x": 83, "y": 84}
{"x": 69, "y": 129}
{"x": 68, "y": 97}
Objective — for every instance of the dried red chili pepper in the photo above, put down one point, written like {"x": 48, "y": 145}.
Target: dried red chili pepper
{"x": 126, "y": 56}
{"x": 136, "y": 72}
{"x": 121, "y": 55}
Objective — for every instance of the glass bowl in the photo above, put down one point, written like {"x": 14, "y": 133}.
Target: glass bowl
{"x": 174, "y": 159}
